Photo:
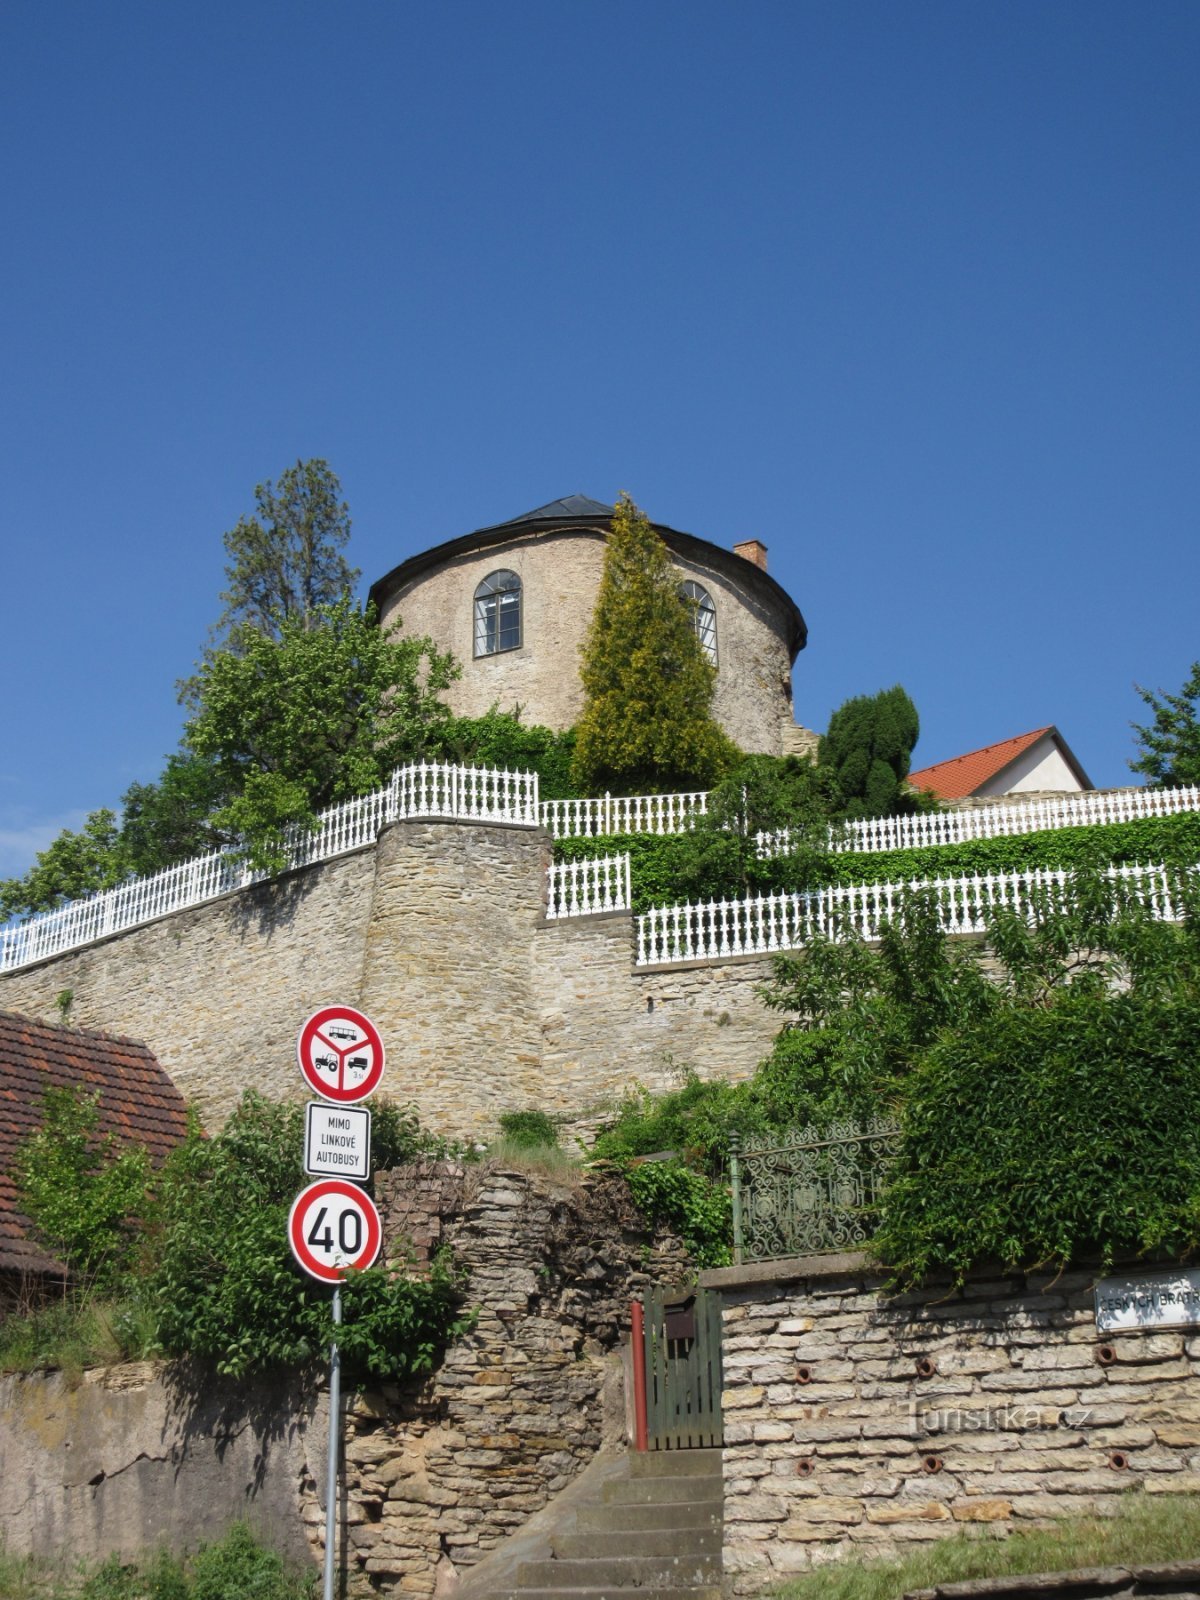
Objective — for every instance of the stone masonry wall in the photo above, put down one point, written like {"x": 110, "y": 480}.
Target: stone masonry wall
{"x": 438, "y": 933}
{"x": 854, "y": 1421}
{"x": 607, "y": 1025}
{"x": 448, "y": 968}
{"x": 219, "y": 991}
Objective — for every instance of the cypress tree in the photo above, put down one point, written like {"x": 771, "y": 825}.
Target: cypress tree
{"x": 869, "y": 747}
{"x": 647, "y": 722}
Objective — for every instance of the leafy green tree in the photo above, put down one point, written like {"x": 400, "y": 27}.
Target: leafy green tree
{"x": 286, "y": 563}
{"x": 170, "y": 821}
{"x": 647, "y": 722}
{"x": 82, "y": 1192}
{"x": 73, "y": 866}
{"x": 868, "y": 747}
{"x": 1170, "y": 744}
{"x": 317, "y": 714}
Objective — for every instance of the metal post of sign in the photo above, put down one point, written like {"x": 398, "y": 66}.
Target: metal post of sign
{"x": 335, "y": 1440}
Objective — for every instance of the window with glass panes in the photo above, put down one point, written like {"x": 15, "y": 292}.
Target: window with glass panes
{"x": 704, "y": 617}
{"x": 498, "y": 613}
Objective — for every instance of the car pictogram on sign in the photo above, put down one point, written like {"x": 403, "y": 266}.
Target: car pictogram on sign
{"x": 333, "y": 1229}
{"x": 340, "y": 1054}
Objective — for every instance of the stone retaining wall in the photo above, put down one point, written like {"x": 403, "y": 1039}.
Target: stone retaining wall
{"x": 438, "y": 933}
{"x": 854, "y": 1421}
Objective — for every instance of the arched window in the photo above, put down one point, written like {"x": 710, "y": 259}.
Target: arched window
{"x": 704, "y": 617}
{"x": 498, "y": 613}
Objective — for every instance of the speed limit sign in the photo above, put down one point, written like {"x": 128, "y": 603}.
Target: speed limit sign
{"x": 334, "y": 1228}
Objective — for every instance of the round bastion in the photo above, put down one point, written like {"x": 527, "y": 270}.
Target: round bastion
{"x": 513, "y": 603}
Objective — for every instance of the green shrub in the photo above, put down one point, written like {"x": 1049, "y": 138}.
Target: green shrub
{"x": 221, "y": 1277}
{"x": 528, "y": 1129}
{"x": 83, "y": 1192}
{"x": 1051, "y": 1134}
{"x": 501, "y": 739}
{"x": 688, "y": 1202}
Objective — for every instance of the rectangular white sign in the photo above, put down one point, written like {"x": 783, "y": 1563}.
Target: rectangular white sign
{"x": 1169, "y": 1299}
{"x": 337, "y": 1141}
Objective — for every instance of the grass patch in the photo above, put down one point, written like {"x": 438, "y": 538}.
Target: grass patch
{"x": 1143, "y": 1530}
{"x": 551, "y": 1158}
{"x": 232, "y": 1569}
{"x": 73, "y": 1333}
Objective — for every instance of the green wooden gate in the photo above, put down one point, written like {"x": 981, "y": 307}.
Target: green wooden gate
{"x": 682, "y": 1349}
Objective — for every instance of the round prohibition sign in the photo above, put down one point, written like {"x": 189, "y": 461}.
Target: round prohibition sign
{"x": 340, "y": 1054}
{"x": 334, "y": 1228}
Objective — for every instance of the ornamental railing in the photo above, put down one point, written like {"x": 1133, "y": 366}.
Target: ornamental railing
{"x": 809, "y": 1192}
{"x": 636, "y": 813}
{"x": 430, "y": 789}
{"x": 1089, "y": 809}
{"x": 587, "y": 888}
{"x": 671, "y": 813}
{"x": 765, "y": 924}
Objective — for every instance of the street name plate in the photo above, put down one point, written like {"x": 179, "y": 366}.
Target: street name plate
{"x": 1168, "y": 1299}
{"x": 337, "y": 1141}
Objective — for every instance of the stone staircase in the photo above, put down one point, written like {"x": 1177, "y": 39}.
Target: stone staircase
{"x": 646, "y": 1525}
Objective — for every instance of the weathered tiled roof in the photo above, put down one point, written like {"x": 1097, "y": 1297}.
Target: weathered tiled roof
{"x": 138, "y": 1103}
{"x": 962, "y": 776}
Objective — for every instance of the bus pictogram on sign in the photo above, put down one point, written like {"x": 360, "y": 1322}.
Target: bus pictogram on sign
{"x": 334, "y": 1228}
{"x": 340, "y": 1054}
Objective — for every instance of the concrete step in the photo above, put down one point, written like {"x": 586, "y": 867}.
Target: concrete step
{"x": 653, "y": 1515}
{"x": 588, "y": 1544}
{"x": 620, "y": 1572}
{"x": 659, "y": 1491}
{"x": 674, "y": 1463}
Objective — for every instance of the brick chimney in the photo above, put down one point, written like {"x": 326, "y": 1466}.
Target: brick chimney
{"x": 753, "y": 550}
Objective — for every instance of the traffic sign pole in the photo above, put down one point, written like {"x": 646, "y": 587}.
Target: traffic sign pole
{"x": 333, "y": 1226}
{"x": 335, "y": 1444}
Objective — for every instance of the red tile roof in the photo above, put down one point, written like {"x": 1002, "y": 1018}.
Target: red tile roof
{"x": 965, "y": 775}
{"x": 138, "y": 1103}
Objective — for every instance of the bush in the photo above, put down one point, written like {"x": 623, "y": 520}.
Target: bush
{"x": 692, "y": 1205}
{"x": 1050, "y": 1135}
{"x": 501, "y": 739}
{"x": 84, "y": 1193}
{"x": 222, "y": 1280}
{"x": 530, "y": 1130}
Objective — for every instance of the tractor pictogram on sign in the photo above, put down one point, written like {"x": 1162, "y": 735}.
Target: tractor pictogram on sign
{"x": 340, "y": 1054}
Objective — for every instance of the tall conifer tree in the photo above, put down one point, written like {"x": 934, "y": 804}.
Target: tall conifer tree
{"x": 647, "y": 722}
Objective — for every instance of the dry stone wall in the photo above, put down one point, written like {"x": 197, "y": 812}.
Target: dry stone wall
{"x": 854, "y": 1421}
{"x": 438, "y": 933}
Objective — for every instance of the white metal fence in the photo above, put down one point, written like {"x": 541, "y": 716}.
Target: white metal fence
{"x": 638, "y": 813}
{"x": 764, "y": 924}
{"x": 670, "y": 813}
{"x": 583, "y": 888}
{"x": 1088, "y": 809}
{"x": 428, "y": 789}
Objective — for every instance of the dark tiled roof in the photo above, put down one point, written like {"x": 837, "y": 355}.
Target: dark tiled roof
{"x": 138, "y": 1104}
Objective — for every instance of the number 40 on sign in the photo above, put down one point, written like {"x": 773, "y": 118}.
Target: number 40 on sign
{"x": 333, "y": 1229}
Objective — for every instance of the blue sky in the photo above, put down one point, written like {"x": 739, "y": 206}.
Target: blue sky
{"x": 909, "y": 292}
